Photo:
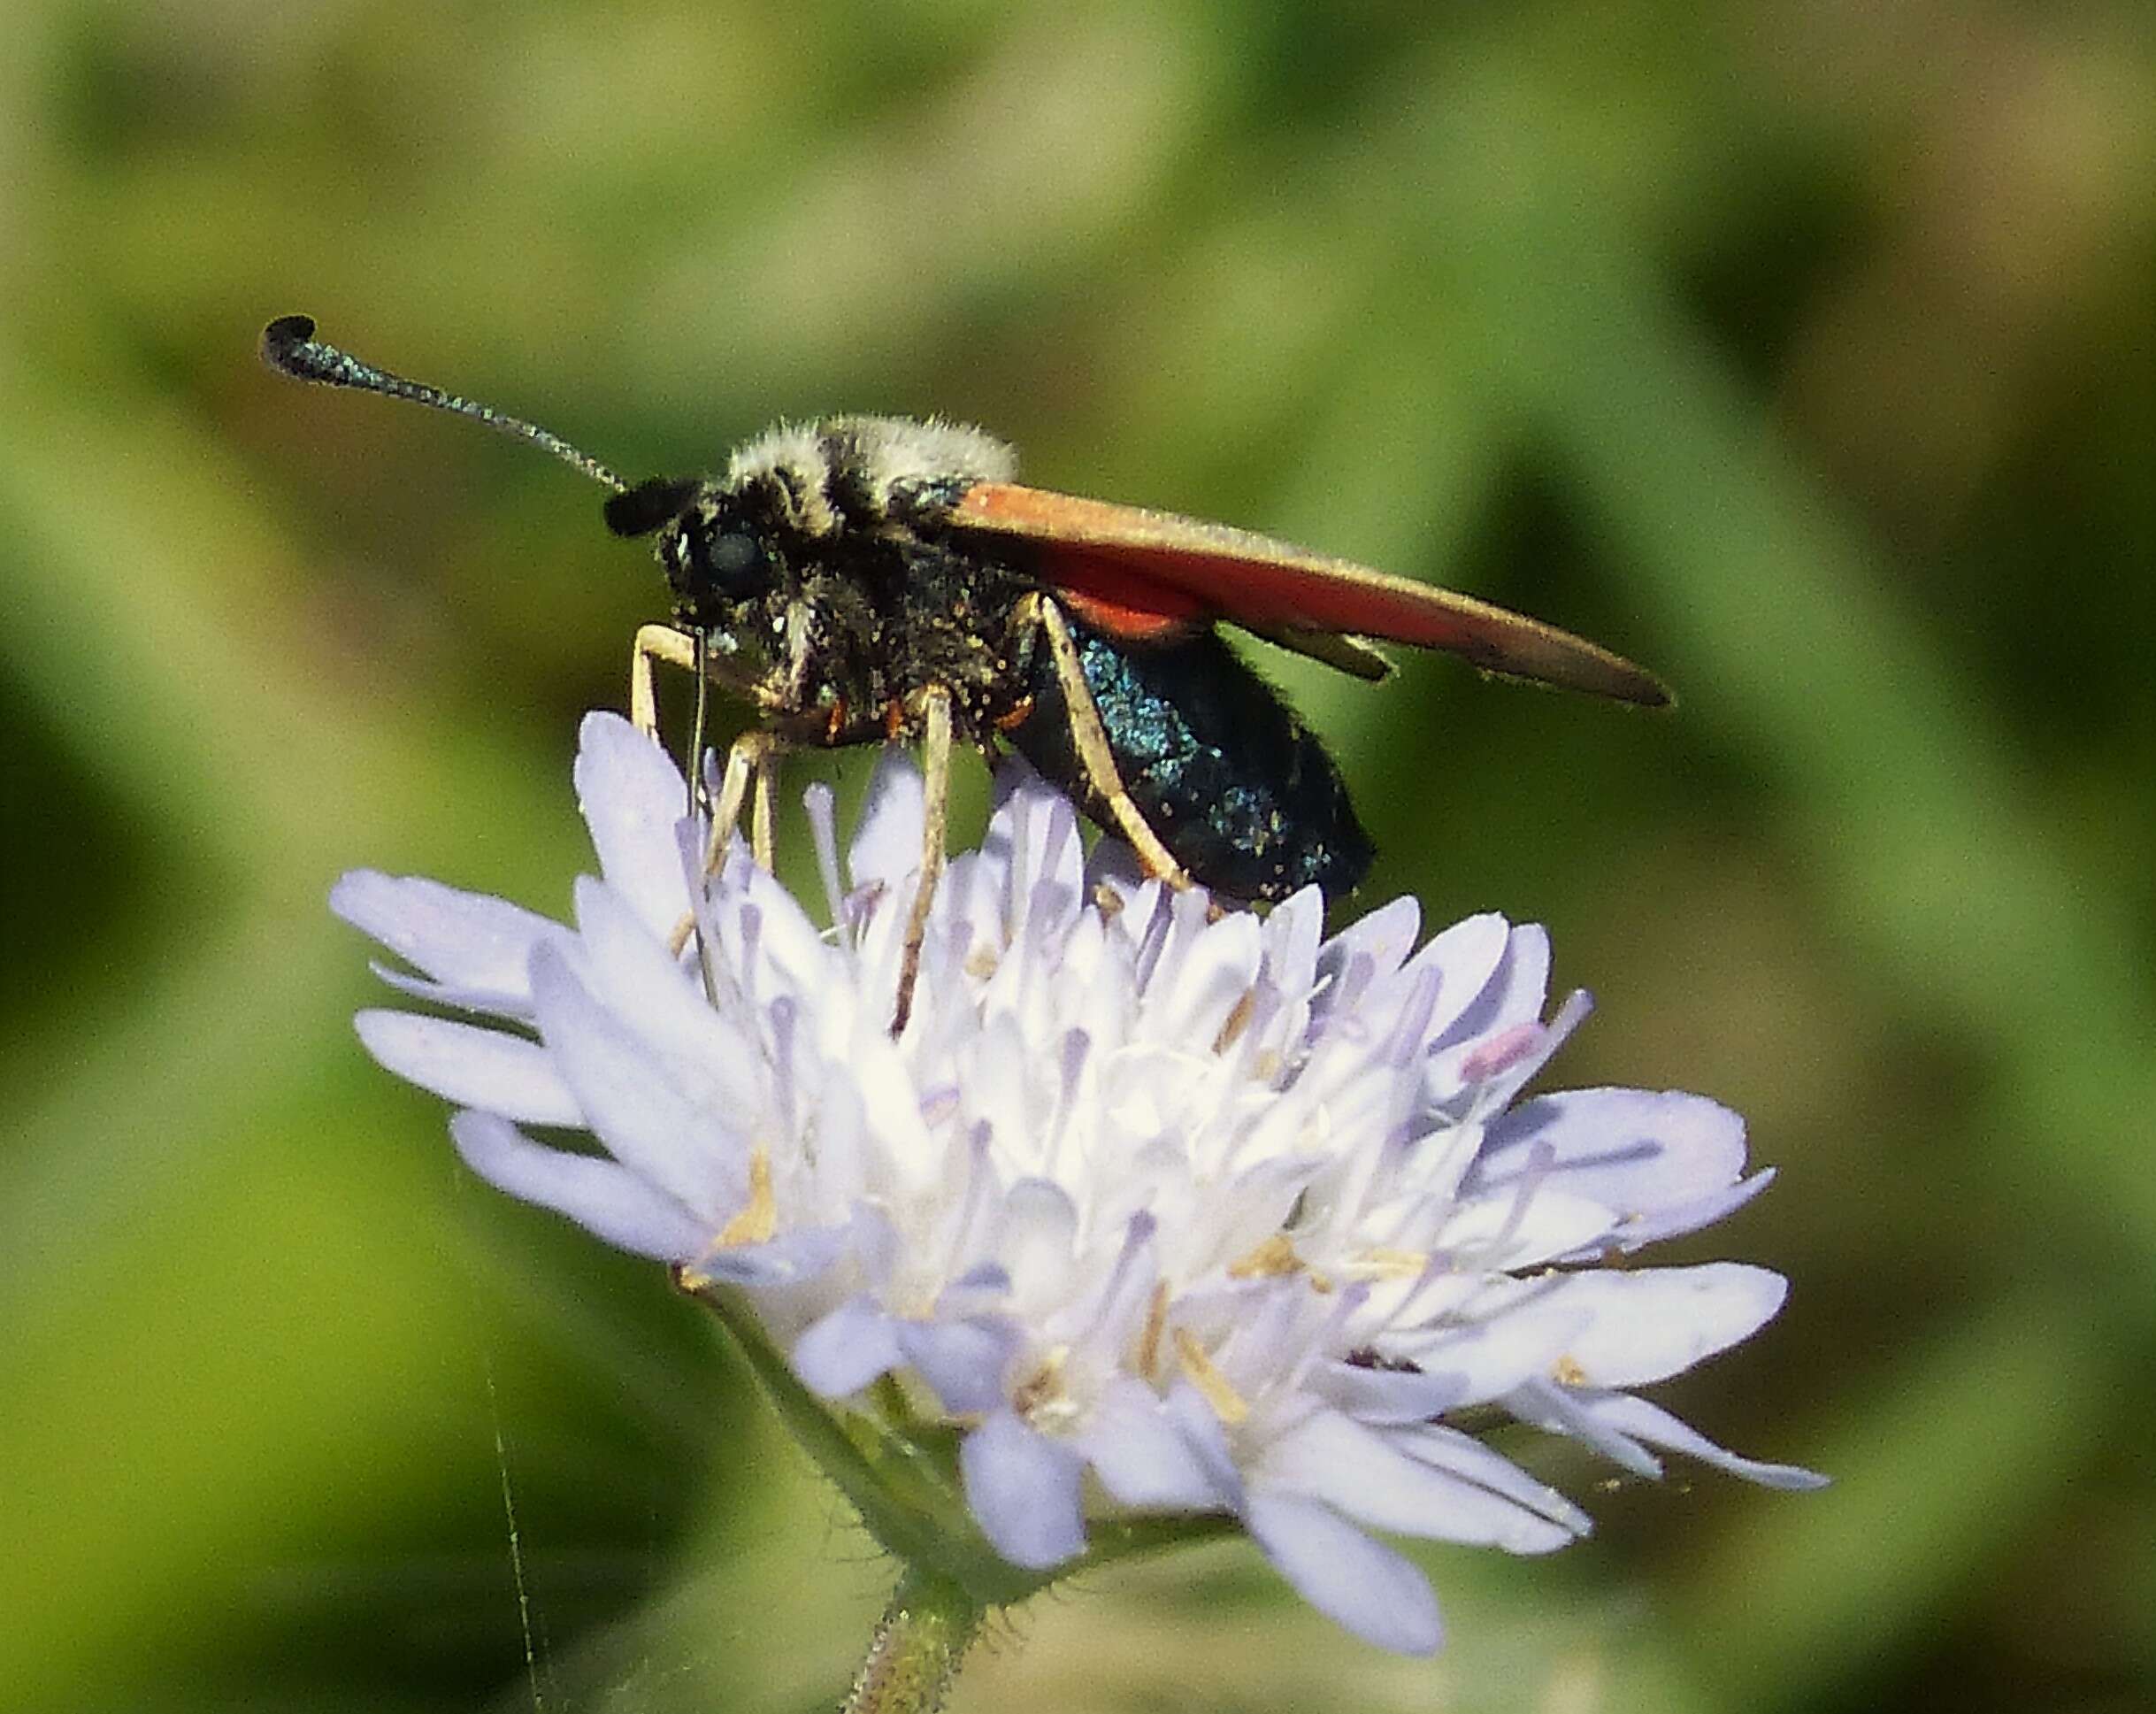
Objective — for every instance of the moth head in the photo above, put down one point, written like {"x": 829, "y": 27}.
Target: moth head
{"x": 716, "y": 558}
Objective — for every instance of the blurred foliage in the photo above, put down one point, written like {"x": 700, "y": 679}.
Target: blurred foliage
{"x": 1806, "y": 353}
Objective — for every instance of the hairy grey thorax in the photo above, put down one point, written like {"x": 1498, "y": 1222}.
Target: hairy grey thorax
{"x": 854, "y": 601}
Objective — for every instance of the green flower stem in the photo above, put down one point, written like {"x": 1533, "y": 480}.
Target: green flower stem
{"x": 919, "y": 1643}
{"x": 903, "y": 1480}
{"x": 901, "y": 1474}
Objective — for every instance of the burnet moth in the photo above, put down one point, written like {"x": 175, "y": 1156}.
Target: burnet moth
{"x": 877, "y": 579}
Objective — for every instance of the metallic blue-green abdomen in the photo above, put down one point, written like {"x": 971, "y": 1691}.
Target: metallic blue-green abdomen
{"x": 1238, "y": 790}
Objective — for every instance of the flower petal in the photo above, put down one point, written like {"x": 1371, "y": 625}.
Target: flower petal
{"x": 1040, "y": 1224}
{"x": 1357, "y": 1583}
{"x": 472, "y": 1067}
{"x": 632, "y": 794}
{"x": 1360, "y": 1472}
{"x": 1368, "y": 950}
{"x": 605, "y": 1198}
{"x": 1638, "y": 1152}
{"x": 843, "y": 1352}
{"x": 690, "y": 1152}
{"x": 789, "y": 1259}
{"x": 1656, "y": 1426}
{"x": 1489, "y": 995}
{"x": 1657, "y": 1322}
{"x": 1467, "y": 1457}
{"x": 1140, "y": 1455}
{"x": 478, "y": 950}
{"x": 1509, "y": 1231}
{"x": 1486, "y": 1357}
{"x": 1024, "y": 1490}
{"x": 1384, "y": 1397}
{"x": 962, "y": 1362}
{"x": 1676, "y": 1218}
{"x": 1468, "y": 956}
{"x": 886, "y": 844}
{"x": 1565, "y": 1410}
{"x": 628, "y": 970}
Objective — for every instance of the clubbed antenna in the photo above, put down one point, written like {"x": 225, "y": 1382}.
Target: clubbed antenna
{"x": 289, "y": 345}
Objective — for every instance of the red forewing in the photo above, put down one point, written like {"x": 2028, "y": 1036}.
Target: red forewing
{"x": 1137, "y": 572}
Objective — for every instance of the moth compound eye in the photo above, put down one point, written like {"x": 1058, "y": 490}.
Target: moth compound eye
{"x": 731, "y": 564}
{"x": 733, "y": 556}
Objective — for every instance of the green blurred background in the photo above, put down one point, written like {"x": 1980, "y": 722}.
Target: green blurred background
{"x": 1803, "y": 352}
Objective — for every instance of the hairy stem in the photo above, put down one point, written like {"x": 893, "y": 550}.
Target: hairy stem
{"x": 919, "y": 1643}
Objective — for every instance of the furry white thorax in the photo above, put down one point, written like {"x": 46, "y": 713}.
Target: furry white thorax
{"x": 884, "y": 454}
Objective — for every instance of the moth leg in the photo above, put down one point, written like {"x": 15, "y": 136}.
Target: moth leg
{"x": 1094, "y": 755}
{"x": 935, "y": 828}
{"x": 762, "y": 814}
{"x": 666, "y": 646}
{"x": 747, "y": 759}
{"x": 751, "y": 761}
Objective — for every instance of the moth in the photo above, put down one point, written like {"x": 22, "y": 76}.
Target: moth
{"x": 868, "y": 578}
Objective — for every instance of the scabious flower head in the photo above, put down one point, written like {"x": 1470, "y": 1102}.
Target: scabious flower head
{"x": 1164, "y": 1209}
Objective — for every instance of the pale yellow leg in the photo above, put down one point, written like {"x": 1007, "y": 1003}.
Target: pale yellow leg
{"x": 935, "y": 711}
{"x": 744, "y": 756}
{"x": 762, "y": 816}
{"x": 751, "y": 760}
{"x": 752, "y": 766}
{"x": 663, "y": 644}
{"x": 1095, "y": 756}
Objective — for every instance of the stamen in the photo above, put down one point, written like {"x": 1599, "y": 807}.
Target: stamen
{"x": 1149, "y": 1338}
{"x": 752, "y": 940}
{"x": 1137, "y": 1242}
{"x": 1382, "y": 1264}
{"x": 783, "y": 1015}
{"x": 1228, "y": 1404}
{"x": 1044, "y": 1386}
{"x": 1500, "y": 1052}
{"x": 1236, "y": 1021}
{"x": 759, "y": 1216}
{"x": 1541, "y": 1156}
{"x": 1272, "y": 1259}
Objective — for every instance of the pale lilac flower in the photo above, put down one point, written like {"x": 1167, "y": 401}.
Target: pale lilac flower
{"x": 1168, "y": 1211}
